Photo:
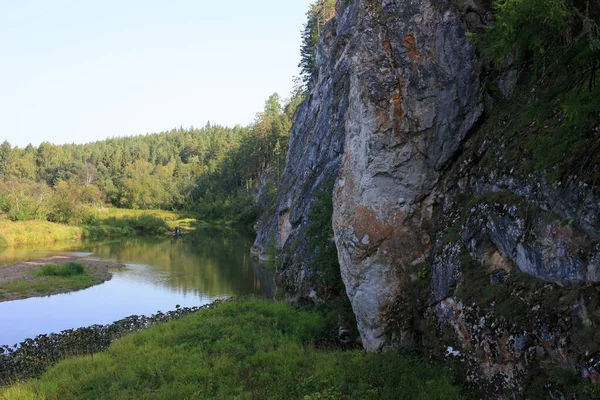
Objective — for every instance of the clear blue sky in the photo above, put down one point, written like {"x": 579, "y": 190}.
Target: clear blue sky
{"x": 84, "y": 70}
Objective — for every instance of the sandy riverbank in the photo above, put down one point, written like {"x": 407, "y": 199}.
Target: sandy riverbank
{"x": 99, "y": 270}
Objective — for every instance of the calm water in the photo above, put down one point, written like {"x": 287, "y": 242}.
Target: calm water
{"x": 160, "y": 274}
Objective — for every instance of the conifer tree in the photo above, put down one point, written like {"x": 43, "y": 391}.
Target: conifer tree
{"x": 319, "y": 14}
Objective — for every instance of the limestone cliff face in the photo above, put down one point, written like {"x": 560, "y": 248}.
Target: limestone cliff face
{"x": 414, "y": 94}
{"x": 445, "y": 241}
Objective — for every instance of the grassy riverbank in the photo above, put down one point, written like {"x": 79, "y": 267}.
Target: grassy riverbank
{"x": 52, "y": 275}
{"x": 99, "y": 224}
{"x": 17, "y": 233}
{"x": 245, "y": 349}
{"x": 50, "y": 279}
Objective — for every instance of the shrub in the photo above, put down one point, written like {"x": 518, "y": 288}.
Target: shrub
{"x": 68, "y": 269}
{"x": 149, "y": 224}
{"x": 126, "y": 225}
{"x": 544, "y": 36}
{"x": 555, "y": 45}
{"x": 527, "y": 28}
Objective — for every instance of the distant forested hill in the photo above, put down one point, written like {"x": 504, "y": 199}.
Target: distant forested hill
{"x": 208, "y": 170}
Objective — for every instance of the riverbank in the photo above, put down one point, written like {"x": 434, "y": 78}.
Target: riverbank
{"x": 19, "y": 233}
{"x": 22, "y": 280}
{"x": 101, "y": 223}
{"x": 239, "y": 349}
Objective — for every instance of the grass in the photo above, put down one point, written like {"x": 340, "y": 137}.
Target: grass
{"x": 101, "y": 223}
{"x": 238, "y": 350}
{"x": 50, "y": 279}
{"x": 32, "y": 232}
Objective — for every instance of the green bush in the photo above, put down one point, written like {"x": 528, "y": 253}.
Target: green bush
{"x": 529, "y": 29}
{"x": 149, "y": 224}
{"x": 68, "y": 269}
{"x": 544, "y": 36}
{"x": 144, "y": 224}
{"x": 557, "y": 41}
{"x": 555, "y": 46}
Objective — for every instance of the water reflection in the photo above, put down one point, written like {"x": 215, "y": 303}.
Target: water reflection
{"x": 217, "y": 266}
{"x": 161, "y": 273}
{"x": 23, "y": 253}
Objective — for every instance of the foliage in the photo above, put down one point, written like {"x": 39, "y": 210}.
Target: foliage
{"x": 545, "y": 36}
{"x": 556, "y": 45}
{"x": 527, "y": 28}
{"x": 563, "y": 383}
{"x": 102, "y": 213}
{"x": 67, "y": 269}
{"x": 319, "y": 14}
{"x": 70, "y": 202}
{"x": 210, "y": 171}
{"x": 243, "y": 349}
{"x": 142, "y": 224}
{"x": 95, "y": 223}
{"x": 149, "y": 224}
{"x": 22, "y": 199}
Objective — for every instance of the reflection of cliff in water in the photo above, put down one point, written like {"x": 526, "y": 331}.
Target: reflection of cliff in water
{"x": 215, "y": 265}
{"x": 265, "y": 277}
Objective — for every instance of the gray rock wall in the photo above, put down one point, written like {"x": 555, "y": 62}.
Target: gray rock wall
{"x": 414, "y": 95}
{"x": 441, "y": 243}
{"x": 516, "y": 279}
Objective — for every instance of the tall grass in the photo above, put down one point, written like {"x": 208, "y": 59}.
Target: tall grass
{"x": 98, "y": 224}
{"x": 31, "y": 232}
{"x": 244, "y": 350}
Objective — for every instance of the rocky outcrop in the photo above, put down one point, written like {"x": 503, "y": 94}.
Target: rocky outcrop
{"x": 516, "y": 279}
{"x": 445, "y": 239}
{"x": 414, "y": 94}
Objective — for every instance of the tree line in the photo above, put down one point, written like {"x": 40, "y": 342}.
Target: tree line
{"x": 210, "y": 170}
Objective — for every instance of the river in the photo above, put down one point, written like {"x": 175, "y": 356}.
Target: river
{"x": 160, "y": 274}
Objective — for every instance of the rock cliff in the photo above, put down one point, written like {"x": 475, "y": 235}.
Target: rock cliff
{"x": 414, "y": 94}
{"x": 446, "y": 239}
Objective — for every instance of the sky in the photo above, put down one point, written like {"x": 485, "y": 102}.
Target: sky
{"x": 77, "y": 71}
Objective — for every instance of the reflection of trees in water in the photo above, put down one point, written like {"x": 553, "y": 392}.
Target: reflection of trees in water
{"x": 214, "y": 265}
{"x": 12, "y": 255}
